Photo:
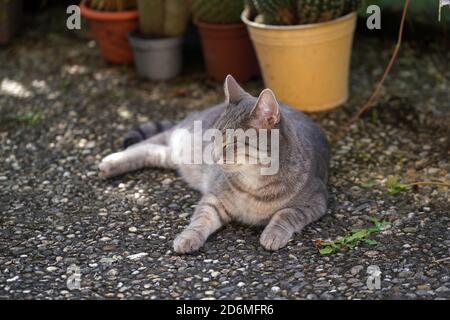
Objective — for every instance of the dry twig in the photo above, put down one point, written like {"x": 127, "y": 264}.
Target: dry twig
{"x": 385, "y": 74}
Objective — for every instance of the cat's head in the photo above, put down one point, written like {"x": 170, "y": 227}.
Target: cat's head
{"x": 245, "y": 111}
{"x": 254, "y": 116}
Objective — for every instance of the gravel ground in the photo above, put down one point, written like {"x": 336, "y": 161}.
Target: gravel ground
{"x": 63, "y": 109}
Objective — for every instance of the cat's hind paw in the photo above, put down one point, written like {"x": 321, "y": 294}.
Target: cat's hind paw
{"x": 188, "y": 241}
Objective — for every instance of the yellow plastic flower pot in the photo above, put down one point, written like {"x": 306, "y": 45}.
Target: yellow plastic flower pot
{"x": 307, "y": 66}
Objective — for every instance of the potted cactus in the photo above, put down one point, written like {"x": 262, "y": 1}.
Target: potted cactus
{"x": 10, "y": 18}
{"x": 227, "y": 48}
{"x": 110, "y": 21}
{"x": 304, "y": 48}
{"x": 157, "y": 44}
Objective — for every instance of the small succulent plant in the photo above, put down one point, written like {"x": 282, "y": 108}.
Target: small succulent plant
{"x": 111, "y": 5}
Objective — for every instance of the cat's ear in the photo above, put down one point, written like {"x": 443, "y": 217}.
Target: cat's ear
{"x": 233, "y": 91}
{"x": 266, "y": 113}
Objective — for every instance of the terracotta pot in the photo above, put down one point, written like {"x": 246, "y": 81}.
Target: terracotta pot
{"x": 10, "y": 19}
{"x": 110, "y": 31}
{"x": 227, "y": 49}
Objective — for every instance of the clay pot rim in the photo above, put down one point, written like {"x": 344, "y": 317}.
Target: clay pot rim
{"x": 107, "y": 15}
{"x": 153, "y": 43}
{"x": 248, "y": 22}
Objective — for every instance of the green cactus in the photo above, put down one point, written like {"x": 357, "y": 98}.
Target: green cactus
{"x": 250, "y": 6}
{"x": 280, "y": 12}
{"x": 111, "y": 5}
{"x": 162, "y": 18}
{"x": 217, "y": 11}
{"x": 352, "y": 5}
{"x": 314, "y": 11}
{"x": 293, "y": 12}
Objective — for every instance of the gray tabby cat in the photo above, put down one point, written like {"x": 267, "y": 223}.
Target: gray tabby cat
{"x": 284, "y": 202}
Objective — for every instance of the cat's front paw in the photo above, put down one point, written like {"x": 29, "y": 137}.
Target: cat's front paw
{"x": 274, "y": 238}
{"x": 109, "y": 166}
{"x": 188, "y": 241}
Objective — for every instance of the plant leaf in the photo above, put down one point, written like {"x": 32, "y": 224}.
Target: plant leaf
{"x": 394, "y": 186}
{"x": 369, "y": 184}
{"x": 326, "y": 250}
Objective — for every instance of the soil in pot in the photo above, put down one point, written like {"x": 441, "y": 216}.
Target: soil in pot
{"x": 227, "y": 49}
{"x": 10, "y": 19}
{"x": 110, "y": 31}
{"x": 156, "y": 59}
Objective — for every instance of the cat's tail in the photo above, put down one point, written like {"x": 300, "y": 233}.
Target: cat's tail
{"x": 145, "y": 131}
